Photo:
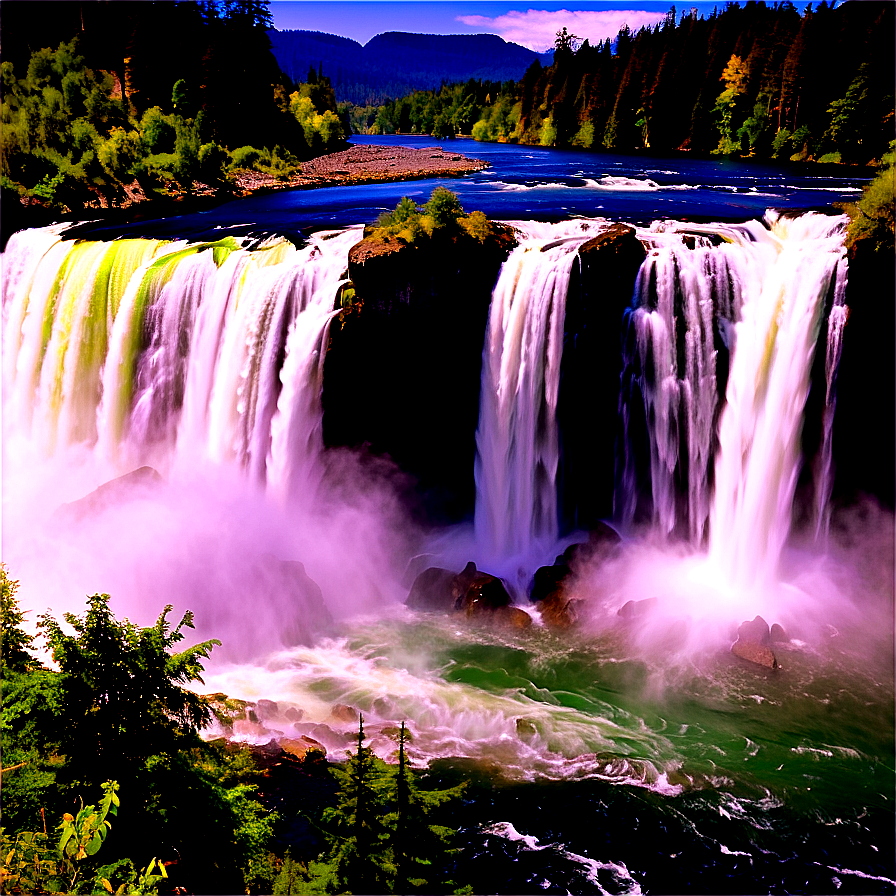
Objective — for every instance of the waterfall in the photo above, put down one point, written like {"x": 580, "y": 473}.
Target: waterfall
{"x": 824, "y": 476}
{"x": 517, "y": 439}
{"x": 685, "y": 300}
{"x": 757, "y": 293}
{"x": 171, "y": 353}
{"x": 759, "y": 435}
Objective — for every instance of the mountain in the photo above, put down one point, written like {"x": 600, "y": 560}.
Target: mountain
{"x": 368, "y": 74}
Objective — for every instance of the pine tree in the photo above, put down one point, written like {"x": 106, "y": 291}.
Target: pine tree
{"x": 360, "y": 852}
{"x": 382, "y": 839}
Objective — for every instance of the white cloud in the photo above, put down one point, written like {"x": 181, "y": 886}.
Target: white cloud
{"x": 537, "y": 28}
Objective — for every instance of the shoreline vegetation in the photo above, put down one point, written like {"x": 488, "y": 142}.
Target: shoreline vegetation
{"x": 94, "y": 120}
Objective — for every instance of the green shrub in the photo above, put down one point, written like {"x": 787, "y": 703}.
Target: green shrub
{"x": 442, "y": 213}
{"x": 213, "y": 159}
{"x": 120, "y": 153}
{"x": 157, "y": 131}
{"x": 873, "y": 216}
{"x": 244, "y": 157}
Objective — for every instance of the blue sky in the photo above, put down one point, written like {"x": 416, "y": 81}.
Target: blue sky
{"x": 532, "y": 24}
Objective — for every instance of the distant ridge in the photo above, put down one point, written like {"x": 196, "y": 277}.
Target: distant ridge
{"x": 370, "y": 74}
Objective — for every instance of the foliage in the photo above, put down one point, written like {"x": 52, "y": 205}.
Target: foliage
{"x": 873, "y": 217}
{"x": 73, "y": 135}
{"x": 382, "y": 836}
{"x": 121, "y": 686}
{"x": 118, "y": 707}
{"x": 442, "y": 213}
{"x": 16, "y": 642}
{"x": 781, "y": 95}
{"x": 31, "y": 865}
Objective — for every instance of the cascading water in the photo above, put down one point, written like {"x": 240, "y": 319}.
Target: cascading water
{"x": 205, "y": 360}
{"x": 518, "y": 449}
{"x": 172, "y": 353}
{"x": 759, "y": 435}
{"x": 688, "y": 306}
{"x": 685, "y": 300}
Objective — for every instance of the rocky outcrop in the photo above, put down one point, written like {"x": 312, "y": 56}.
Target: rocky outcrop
{"x": 551, "y": 584}
{"x": 433, "y": 591}
{"x": 136, "y": 484}
{"x": 752, "y": 643}
{"x": 476, "y": 595}
{"x": 479, "y": 592}
{"x": 308, "y": 614}
{"x": 402, "y": 372}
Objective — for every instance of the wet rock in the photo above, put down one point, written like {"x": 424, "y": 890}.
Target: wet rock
{"x": 299, "y": 748}
{"x": 416, "y": 565}
{"x": 601, "y": 544}
{"x": 267, "y": 709}
{"x": 433, "y": 590}
{"x": 285, "y": 582}
{"x": 525, "y": 729}
{"x": 476, "y": 591}
{"x": 512, "y": 617}
{"x": 136, "y": 484}
{"x": 557, "y": 611}
{"x": 294, "y": 714}
{"x": 252, "y": 727}
{"x": 752, "y": 643}
{"x": 385, "y": 708}
{"x": 777, "y": 634}
{"x": 548, "y": 580}
{"x": 341, "y": 712}
{"x": 634, "y": 609}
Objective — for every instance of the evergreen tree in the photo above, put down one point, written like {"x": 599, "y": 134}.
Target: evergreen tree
{"x": 360, "y": 852}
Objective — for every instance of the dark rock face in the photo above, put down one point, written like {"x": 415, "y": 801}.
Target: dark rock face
{"x": 402, "y": 373}
{"x": 600, "y": 290}
{"x": 752, "y": 643}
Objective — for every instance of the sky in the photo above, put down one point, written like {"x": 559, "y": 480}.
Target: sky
{"x": 532, "y": 24}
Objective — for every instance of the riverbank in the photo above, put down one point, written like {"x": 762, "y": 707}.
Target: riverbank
{"x": 357, "y": 165}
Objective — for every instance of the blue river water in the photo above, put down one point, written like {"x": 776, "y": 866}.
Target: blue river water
{"x": 526, "y": 182}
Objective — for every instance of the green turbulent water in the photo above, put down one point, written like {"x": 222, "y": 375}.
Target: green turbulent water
{"x": 595, "y": 768}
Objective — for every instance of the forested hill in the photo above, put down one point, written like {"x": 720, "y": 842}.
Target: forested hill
{"x": 369, "y": 74}
{"x": 760, "y": 80}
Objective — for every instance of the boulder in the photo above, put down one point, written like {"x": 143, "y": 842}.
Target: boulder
{"x": 601, "y": 544}
{"x": 512, "y": 617}
{"x": 304, "y": 612}
{"x": 299, "y": 748}
{"x": 477, "y": 591}
{"x": 433, "y": 590}
{"x": 557, "y": 611}
{"x": 136, "y": 484}
{"x": 634, "y": 609}
{"x": 548, "y": 580}
{"x": 752, "y": 643}
{"x": 267, "y": 709}
{"x": 778, "y": 634}
{"x": 341, "y": 712}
